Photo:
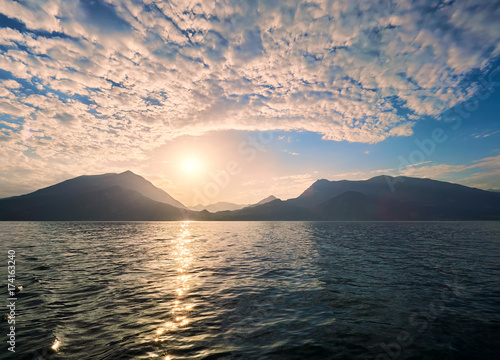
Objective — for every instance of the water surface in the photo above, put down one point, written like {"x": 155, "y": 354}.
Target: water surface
{"x": 255, "y": 290}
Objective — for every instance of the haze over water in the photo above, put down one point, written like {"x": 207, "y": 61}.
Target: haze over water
{"x": 256, "y": 290}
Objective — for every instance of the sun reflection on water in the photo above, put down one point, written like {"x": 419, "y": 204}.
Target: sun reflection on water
{"x": 55, "y": 346}
{"x": 180, "y": 308}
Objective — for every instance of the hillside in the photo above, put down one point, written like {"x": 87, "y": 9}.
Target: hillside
{"x": 128, "y": 196}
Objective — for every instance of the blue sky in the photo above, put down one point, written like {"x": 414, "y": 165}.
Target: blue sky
{"x": 263, "y": 97}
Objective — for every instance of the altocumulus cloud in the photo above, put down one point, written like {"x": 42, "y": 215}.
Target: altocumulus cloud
{"x": 126, "y": 76}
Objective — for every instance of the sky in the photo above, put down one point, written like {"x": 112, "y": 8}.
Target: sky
{"x": 237, "y": 100}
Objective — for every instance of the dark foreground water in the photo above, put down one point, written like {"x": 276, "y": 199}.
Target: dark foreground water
{"x": 254, "y": 290}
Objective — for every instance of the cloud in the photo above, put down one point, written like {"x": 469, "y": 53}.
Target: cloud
{"x": 434, "y": 171}
{"x": 361, "y": 175}
{"x": 484, "y": 180}
{"x": 289, "y": 186}
{"x": 124, "y": 77}
{"x": 482, "y": 173}
{"x": 485, "y": 134}
{"x": 11, "y": 84}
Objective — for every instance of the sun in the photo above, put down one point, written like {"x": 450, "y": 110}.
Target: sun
{"x": 191, "y": 165}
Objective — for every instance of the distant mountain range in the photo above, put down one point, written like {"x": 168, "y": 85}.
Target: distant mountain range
{"x": 128, "y": 196}
{"x": 227, "y": 206}
{"x": 218, "y": 206}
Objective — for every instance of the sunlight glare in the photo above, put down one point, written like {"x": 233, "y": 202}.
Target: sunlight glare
{"x": 55, "y": 346}
{"x": 191, "y": 165}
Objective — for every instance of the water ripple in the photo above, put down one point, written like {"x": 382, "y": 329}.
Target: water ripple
{"x": 255, "y": 290}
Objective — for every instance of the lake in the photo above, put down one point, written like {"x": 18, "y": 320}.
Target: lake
{"x": 254, "y": 290}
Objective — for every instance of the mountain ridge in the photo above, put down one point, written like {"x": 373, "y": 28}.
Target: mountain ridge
{"x": 218, "y": 206}
{"x": 127, "y": 196}
{"x": 126, "y": 179}
{"x": 228, "y": 206}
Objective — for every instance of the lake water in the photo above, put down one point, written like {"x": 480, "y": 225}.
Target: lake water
{"x": 254, "y": 290}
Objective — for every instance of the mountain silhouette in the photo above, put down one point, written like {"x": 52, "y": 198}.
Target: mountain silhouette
{"x": 384, "y": 198}
{"x": 124, "y": 196}
{"x": 126, "y": 180}
{"x": 265, "y": 201}
{"x": 275, "y": 210}
{"x": 227, "y": 206}
{"x": 399, "y": 198}
{"x": 350, "y": 205}
{"x": 219, "y": 206}
{"x": 128, "y": 196}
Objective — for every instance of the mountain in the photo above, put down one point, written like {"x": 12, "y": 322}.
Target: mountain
{"x": 124, "y": 196}
{"x": 399, "y": 198}
{"x": 276, "y": 210}
{"x": 323, "y": 190}
{"x": 113, "y": 203}
{"x": 227, "y": 206}
{"x": 265, "y": 201}
{"x": 383, "y": 198}
{"x": 126, "y": 180}
{"x": 127, "y": 196}
{"x": 351, "y": 205}
{"x": 219, "y": 206}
